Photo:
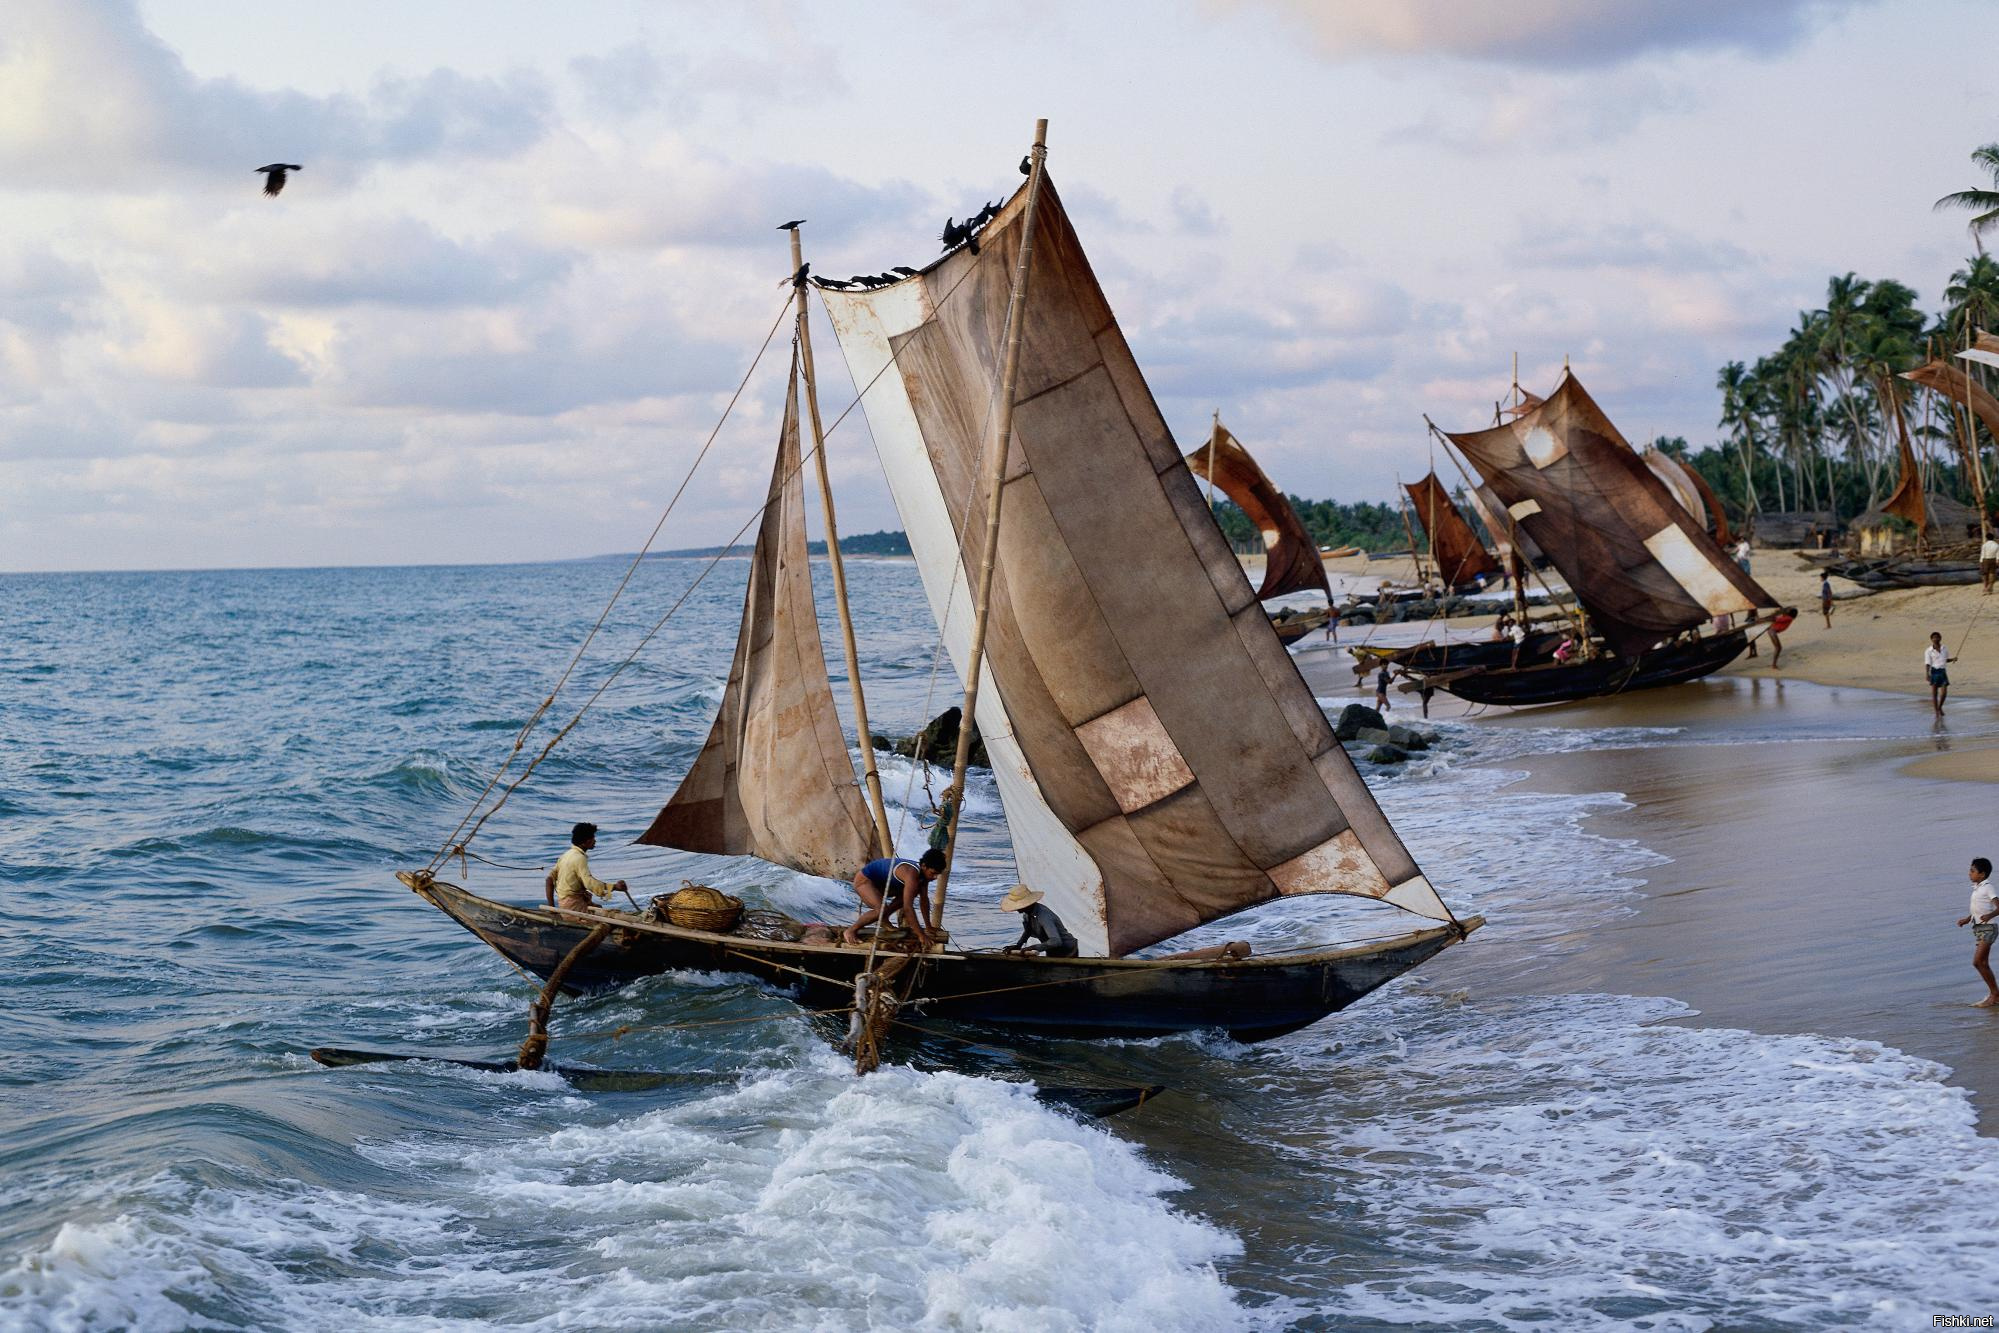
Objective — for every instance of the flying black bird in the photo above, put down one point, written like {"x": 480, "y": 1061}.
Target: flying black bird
{"x": 1027, "y": 165}
{"x": 274, "y": 175}
{"x": 792, "y": 225}
{"x": 905, "y": 272}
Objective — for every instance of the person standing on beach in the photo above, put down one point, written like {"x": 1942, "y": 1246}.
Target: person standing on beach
{"x": 1984, "y": 907}
{"x": 1934, "y": 662}
{"x": 1988, "y": 562}
{"x": 1825, "y": 598}
{"x": 1742, "y": 554}
{"x": 1381, "y": 689}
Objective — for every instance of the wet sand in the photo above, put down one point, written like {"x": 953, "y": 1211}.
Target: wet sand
{"x": 1813, "y": 882}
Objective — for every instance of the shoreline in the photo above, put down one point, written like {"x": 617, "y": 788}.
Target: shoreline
{"x": 1780, "y": 906}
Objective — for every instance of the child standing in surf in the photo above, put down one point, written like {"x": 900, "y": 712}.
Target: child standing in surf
{"x": 1984, "y": 927}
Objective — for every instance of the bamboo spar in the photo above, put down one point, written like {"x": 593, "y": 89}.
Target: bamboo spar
{"x": 870, "y": 776}
{"x": 995, "y": 479}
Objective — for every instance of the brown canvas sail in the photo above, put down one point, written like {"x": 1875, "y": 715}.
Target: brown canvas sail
{"x": 775, "y": 780}
{"x": 1291, "y": 558}
{"x": 1638, "y": 562}
{"x": 1717, "y": 516}
{"x": 1906, "y": 501}
{"x": 1459, "y": 556}
{"x": 1958, "y": 385}
{"x": 1161, "y": 762}
{"x": 1679, "y": 480}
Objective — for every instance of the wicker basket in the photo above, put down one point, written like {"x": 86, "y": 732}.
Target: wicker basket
{"x": 698, "y": 907}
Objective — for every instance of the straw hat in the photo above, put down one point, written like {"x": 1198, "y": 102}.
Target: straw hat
{"x": 1017, "y": 897}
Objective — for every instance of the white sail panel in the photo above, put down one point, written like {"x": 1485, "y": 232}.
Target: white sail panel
{"x": 1155, "y": 715}
{"x": 1045, "y": 853}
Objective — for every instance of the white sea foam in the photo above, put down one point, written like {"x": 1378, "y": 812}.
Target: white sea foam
{"x": 801, "y": 1198}
{"x": 1524, "y": 1162}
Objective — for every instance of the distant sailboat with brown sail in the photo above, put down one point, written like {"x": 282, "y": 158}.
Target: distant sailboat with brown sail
{"x": 1092, "y": 611}
{"x": 1648, "y": 577}
{"x": 1291, "y": 560}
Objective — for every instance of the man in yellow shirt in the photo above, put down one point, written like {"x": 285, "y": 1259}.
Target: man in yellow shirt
{"x": 570, "y": 885}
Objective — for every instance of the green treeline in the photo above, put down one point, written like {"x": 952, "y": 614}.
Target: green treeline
{"x": 1373, "y": 527}
{"x": 1812, "y": 425}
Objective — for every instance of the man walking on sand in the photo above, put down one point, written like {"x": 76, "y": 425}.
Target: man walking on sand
{"x": 1984, "y": 929}
{"x": 1988, "y": 562}
{"x": 1935, "y": 660}
{"x": 1825, "y": 598}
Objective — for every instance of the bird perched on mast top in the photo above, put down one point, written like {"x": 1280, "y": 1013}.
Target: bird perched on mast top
{"x": 792, "y": 225}
{"x": 274, "y": 175}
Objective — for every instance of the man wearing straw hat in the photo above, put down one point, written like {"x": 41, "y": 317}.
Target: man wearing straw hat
{"x": 1051, "y": 938}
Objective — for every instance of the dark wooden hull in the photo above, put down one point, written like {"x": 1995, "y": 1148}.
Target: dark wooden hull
{"x": 1883, "y": 575}
{"x": 1552, "y": 682}
{"x": 1295, "y": 626}
{"x": 1428, "y": 657}
{"x": 1250, "y": 999}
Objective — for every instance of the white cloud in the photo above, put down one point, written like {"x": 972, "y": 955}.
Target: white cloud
{"x": 1551, "y": 33}
{"x": 95, "y": 101}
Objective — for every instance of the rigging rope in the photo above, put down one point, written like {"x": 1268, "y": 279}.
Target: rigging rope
{"x": 454, "y": 845}
{"x": 448, "y": 850}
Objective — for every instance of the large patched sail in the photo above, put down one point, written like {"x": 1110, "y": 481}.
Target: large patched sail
{"x": 1637, "y": 560}
{"x": 1291, "y": 560}
{"x": 775, "y": 780}
{"x": 1161, "y": 762}
{"x": 1459, "y": 556}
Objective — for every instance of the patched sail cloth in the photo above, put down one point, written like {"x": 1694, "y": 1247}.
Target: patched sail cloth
{"x": 1161, "y": 762}
{"x": 1454, "y": 547}
{"x": 1291, "y": 558}
{"x": 1640, "y": 564}
{"x": 775, "y": 780}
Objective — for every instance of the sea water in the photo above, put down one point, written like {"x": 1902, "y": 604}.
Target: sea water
{"x": 207, "y": 781}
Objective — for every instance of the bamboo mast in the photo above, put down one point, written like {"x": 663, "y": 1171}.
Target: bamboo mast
{"x": 995, "y": 483}
{"x": 870, "y": 776}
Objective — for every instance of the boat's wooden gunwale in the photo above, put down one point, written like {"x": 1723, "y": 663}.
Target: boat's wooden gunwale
{"x": 563, "y": 916}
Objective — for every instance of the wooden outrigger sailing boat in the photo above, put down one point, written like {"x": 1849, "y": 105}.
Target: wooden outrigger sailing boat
{"x": 1161, "y": 762}
{"x": 1645, "y": 571}
{"x": 1291, "y": 560}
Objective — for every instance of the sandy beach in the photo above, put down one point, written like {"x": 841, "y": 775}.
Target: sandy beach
{"x": 1817, "y": 821}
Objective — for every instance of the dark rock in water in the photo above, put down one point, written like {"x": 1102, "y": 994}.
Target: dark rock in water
{"x": 1374, "y": 736}
{"x": 1355, "y": 716}
{"x": 1386, "y": 754}
{"x": 1408, "y": 738}
{"x": 937, "y": 742}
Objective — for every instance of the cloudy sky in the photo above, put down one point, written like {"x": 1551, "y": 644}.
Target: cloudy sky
{"x": 532, "y": 249}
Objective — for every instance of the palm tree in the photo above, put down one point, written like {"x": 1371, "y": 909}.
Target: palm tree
{"x": 1738, "y": 414}
{"x": 1972, "y": 298}
{"x": 1983, "y": 204}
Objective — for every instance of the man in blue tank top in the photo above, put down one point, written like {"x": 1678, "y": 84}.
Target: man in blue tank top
{"x": 894, "y": 884}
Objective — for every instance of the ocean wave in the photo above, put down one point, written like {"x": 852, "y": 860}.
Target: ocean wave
{"x": 798, "y": 1197}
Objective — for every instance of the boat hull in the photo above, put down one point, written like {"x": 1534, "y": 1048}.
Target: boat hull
{"x": 1251, "y": 999}
{"x": 1552, "y": 682}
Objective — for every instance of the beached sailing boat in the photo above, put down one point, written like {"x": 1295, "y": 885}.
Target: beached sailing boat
{"x": 1160, "y": 760}
{"x": 1646, "y": 573}
{"x": 1291, "y": 560}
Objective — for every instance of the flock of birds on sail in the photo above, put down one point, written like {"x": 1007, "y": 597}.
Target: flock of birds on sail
{"x": 955, "y": 234}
